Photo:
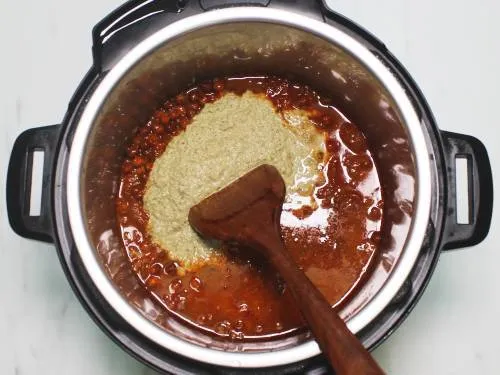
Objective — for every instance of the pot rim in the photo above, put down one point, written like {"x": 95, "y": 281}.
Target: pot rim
{"x": 233, "y": 15}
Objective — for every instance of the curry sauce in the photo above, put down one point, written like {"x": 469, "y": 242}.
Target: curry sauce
{"x": 332, "y": 235}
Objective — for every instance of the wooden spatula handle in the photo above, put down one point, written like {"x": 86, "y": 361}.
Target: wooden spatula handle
{"x": 342, "y": 348}
{"x": 248, "y": 212}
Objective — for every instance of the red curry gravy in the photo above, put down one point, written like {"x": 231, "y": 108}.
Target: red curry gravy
{"x": 241, "y": 297}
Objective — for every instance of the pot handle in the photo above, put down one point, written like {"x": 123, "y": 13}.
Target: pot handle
{"x": 133, "y": 21}
{"x": 19, "y": 175}
{"x": 480, "y": 190}
{"x": 310, "y": 8}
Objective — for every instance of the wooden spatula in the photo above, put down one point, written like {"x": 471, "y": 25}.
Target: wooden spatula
{"x": 248, "y": 212}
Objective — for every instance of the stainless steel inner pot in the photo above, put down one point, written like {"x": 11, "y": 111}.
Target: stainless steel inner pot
{"x": 254, "y": 41}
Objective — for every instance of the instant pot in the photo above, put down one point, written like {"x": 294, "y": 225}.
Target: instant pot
{"x": 146, "y": 51}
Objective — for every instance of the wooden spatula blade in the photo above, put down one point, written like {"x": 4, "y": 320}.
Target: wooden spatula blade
{"x": 232, "y": 213}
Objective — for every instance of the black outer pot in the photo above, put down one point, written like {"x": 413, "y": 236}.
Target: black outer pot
{"x": 112, "y": 38}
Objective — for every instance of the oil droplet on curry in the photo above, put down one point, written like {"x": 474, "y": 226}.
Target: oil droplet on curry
{"x": 331, "y": 216}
